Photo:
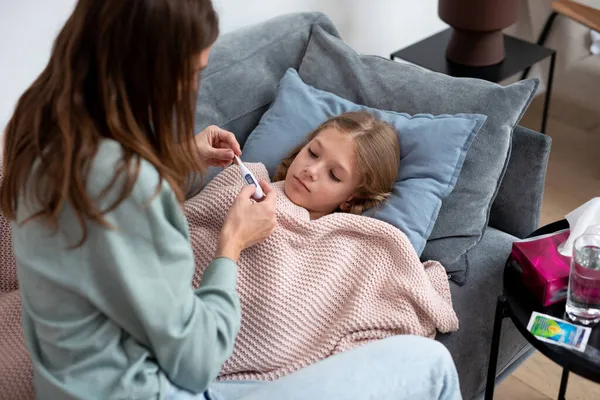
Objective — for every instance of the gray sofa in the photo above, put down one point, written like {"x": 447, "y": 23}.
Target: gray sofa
{"x": 241, "y": 82}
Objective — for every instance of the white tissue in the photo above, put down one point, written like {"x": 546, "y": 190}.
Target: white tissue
{"x": 595, "y": 46}
{"x": 584, "y": 219}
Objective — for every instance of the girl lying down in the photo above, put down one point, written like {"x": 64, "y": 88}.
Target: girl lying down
{"x": 327, "y": 279}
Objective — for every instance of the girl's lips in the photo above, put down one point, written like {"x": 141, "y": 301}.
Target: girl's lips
{"x": 301, "y": 184}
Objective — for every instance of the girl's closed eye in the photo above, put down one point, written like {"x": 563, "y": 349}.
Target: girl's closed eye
{"x": 331, "y": 173}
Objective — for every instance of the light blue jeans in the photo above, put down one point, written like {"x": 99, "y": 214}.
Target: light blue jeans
{"x": 399, "y": 367}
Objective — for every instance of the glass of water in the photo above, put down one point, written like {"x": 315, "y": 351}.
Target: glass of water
{"x": 583, "y": 298}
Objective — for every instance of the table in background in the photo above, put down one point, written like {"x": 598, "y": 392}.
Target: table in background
{"x": 517, "y": 303}
{"x": 520, "y": 55}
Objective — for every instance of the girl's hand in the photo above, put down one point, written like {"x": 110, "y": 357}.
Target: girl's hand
{"x": 247, "y": 222}
{"x": 217, "y": 147}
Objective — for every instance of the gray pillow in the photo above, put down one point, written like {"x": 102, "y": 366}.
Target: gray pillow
{"x": 331, "y": 65}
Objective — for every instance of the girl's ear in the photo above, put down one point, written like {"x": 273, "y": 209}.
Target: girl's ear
{"x": 346, "y": 205}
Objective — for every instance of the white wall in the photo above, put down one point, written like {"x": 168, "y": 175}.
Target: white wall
{"x": 369, "y": 26}
{"x": 28, "y": 28}
{"x": 27, "y": 31}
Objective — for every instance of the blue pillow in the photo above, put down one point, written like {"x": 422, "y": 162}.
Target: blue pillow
{"x": 433, "y": 149}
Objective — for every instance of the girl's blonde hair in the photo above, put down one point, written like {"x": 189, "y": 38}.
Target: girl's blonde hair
{"x": 377, "y": 153}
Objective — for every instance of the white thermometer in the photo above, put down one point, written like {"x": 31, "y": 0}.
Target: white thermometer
{"x": 250, "y": 179}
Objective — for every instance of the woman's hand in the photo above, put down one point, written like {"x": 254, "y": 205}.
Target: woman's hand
{"x": 247, "y": 222}
{"x": 217, "y": 147}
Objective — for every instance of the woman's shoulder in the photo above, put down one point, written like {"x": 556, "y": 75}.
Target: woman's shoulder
{"x": 108, "y": 161}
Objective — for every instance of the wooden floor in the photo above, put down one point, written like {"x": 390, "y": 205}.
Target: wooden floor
{"x": 573, "y": 178}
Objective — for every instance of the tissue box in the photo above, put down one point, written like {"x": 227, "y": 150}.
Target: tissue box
{"x": 545, "y": 272}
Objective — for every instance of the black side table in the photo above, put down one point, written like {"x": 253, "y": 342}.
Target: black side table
{"x": 430, "y": 53}
{"x": 518, "y": 304}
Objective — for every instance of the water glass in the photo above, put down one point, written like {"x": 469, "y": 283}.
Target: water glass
{"x": 583, "y": 297}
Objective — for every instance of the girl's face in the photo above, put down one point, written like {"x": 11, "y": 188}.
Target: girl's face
{"x": 323, "y": 176}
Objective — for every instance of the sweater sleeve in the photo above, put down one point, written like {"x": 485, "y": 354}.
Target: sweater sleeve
{"x": 142, "y": 280}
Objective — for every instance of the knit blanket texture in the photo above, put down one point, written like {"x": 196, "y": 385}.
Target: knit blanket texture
{"x": 317, "y": 288}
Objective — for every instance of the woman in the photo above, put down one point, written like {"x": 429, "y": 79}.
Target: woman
{"x": 97, "y": 158}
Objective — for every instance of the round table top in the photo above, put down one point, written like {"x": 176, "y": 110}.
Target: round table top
{"x": 522, "y": 304}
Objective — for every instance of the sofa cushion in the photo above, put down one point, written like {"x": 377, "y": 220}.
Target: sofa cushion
{"x": 432, "y": 150}
{"x": 475, "y": 305}
{"x": 331, "y": 65}
{"x": 245, "y": 67}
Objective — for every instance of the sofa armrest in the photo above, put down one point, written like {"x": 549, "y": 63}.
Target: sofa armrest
{"x": 516, "y": 209}
{"x": 245, "y": 68}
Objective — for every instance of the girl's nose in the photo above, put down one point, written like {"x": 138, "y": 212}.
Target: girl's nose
{"x": 311, "y": 172}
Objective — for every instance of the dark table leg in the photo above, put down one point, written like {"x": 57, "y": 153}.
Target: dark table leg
{"x": 563, "y": 384}
{"x": 501, "y": 309}
{"x": 548, "y": 92}
{"x": 542, "y": 38}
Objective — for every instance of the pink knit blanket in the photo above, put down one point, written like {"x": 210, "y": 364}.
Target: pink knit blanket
{"x": 317, "y": 288}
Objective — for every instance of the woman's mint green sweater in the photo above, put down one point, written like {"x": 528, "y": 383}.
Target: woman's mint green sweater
{"x": 117, "y": 317}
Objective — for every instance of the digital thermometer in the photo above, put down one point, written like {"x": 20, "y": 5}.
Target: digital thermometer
{"x": 250, "y": 179}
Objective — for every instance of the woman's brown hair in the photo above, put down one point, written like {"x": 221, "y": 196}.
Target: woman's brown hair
{"x": 377, "y": 153}
{"x": 120, "y": 70}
